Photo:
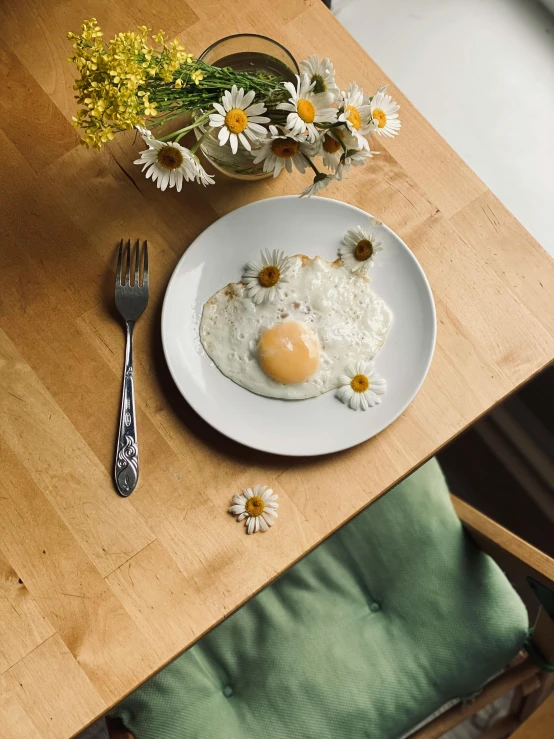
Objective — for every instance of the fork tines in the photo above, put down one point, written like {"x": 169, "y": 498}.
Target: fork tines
{"x": 119, "y": 270}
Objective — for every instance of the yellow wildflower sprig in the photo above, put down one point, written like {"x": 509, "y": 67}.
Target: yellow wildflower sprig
{"x": 124, "y": 82}
{"x": 114, "y": 87}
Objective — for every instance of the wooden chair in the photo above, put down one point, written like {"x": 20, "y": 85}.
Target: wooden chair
{"x": 532, "y": 686}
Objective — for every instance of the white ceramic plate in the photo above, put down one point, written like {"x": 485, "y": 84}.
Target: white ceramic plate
{"x": 312, "y": 226}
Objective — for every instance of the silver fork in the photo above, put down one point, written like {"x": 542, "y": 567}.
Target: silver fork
{"x": 131, "y": 300}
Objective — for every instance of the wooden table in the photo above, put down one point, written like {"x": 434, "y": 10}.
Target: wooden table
{"x": 98, "y": 592}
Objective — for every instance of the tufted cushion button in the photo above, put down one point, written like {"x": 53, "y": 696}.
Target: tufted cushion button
{"x": 374, "y": 607}
{"x": 228, "y": 691}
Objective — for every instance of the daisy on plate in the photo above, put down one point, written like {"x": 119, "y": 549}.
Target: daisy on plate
{"x": 283, "y": 150}
{"x": 356, "y": 114}
{"x": 321, "y": 74}
{"x": 358, "y": 249}
{"x": 360, "y": 387}
{"x": 169, "y": 163}
{"x": 264, "y": 279}
{"x": 321, "y": 180}
{"x": 257, "y": 507}
{"x": 238, "y": 119}
{"x": 384, "y": 113}
{"x": 306, "y": 108}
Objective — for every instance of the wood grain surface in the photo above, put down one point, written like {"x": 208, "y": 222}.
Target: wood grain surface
{"x": 539, "y": 724}
{"x": 98, "y": 592}
{"x": 491, "y": 536}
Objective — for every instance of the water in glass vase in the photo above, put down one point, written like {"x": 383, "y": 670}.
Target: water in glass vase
{"x": 256, "y": 62}
{"x": 241, "y": 165}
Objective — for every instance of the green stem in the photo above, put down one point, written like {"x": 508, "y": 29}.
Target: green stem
{"x": 172, "y": 102}
{"x": 341, "y": 142}
{"x": 210, "y": 89}
{"x": 196, "y": 146}
{"x": 177, "y": 135}
{"x": 312, "y": 165}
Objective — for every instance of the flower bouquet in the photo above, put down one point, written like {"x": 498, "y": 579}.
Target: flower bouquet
{"x": 309, "y": 124}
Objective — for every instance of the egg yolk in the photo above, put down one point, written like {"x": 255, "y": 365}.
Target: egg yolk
{"x": 289, "y": 352}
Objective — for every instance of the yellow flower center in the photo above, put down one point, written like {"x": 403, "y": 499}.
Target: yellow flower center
{"x": 359, "y": 383}
{"x": 255, "y": 506}
{"x": 169, "y": 157}
{"x": 269, "y": 276}
{"x": 363, "y": 250}
{"x": 320, "y": 85}
{"x": 285, "y": 148}
{"x": 305, "y": 110}
{"x": 330, "y": 143}
{"x": 236, "y": 120}
{"x": 355, "y": 118}
{"x": 380, "y": 117}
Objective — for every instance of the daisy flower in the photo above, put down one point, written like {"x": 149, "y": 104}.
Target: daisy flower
{"x": 306, "y": 108}
{"x": 356, "y": 114}
{"x": 280, "y": 151}
{"x": 358, "y": 249}
{"x": 169, "y": 163}
{"x": 384, "y": 113}
{"x": 320, "y": 182}
{"x": 321, "y": 74}
{"x": 330, "y": 147}
{"x": 262, "y": 278}
{"x": 257, "y": 507}
{"x": 146, "y": 134}
{"x": 238, "y": 119}
{"x": 360, "y": 387}
{"x": 352, "y": 157}
{"x": 200, "y": 174}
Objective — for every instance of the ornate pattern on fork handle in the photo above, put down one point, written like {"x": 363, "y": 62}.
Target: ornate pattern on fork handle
{"x": 127, "y": 460}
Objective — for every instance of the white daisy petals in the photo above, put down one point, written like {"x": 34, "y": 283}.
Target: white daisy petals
{"x": 169, "y": 163}
{"x": 320, "y": 182}
{"x": 238, "y": 120}
{"x": 321, "y": 75}
{"x": 306, "y": 108}
{"x": 281, "y": 150}
{"x": 333, "y": 144}
{"x": 356, "y": 114}
{"x": 264, "y": 279}
{"x": 358, "y": 250}
{"x": 361, "y": 387}
{"x": 319, "y": 123}
{"x": 256, "y": 507}
{"x": 147, "y": 135}
{"x": 384, "y": 113}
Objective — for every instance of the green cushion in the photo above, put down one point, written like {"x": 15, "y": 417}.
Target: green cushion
{"x": 394, "y": 615}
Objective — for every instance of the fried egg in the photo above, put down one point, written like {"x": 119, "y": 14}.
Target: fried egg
{"x": 298, "y": 346}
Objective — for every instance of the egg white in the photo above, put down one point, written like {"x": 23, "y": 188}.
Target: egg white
{"x": 351, "y": 322}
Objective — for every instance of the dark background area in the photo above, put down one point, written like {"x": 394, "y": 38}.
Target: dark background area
{"x": 504, "y": 464}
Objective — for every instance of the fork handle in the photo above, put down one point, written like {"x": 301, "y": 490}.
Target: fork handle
{"x": 127, "y": 459}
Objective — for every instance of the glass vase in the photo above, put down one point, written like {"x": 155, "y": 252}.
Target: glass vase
{"x": 245, "y": 52}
